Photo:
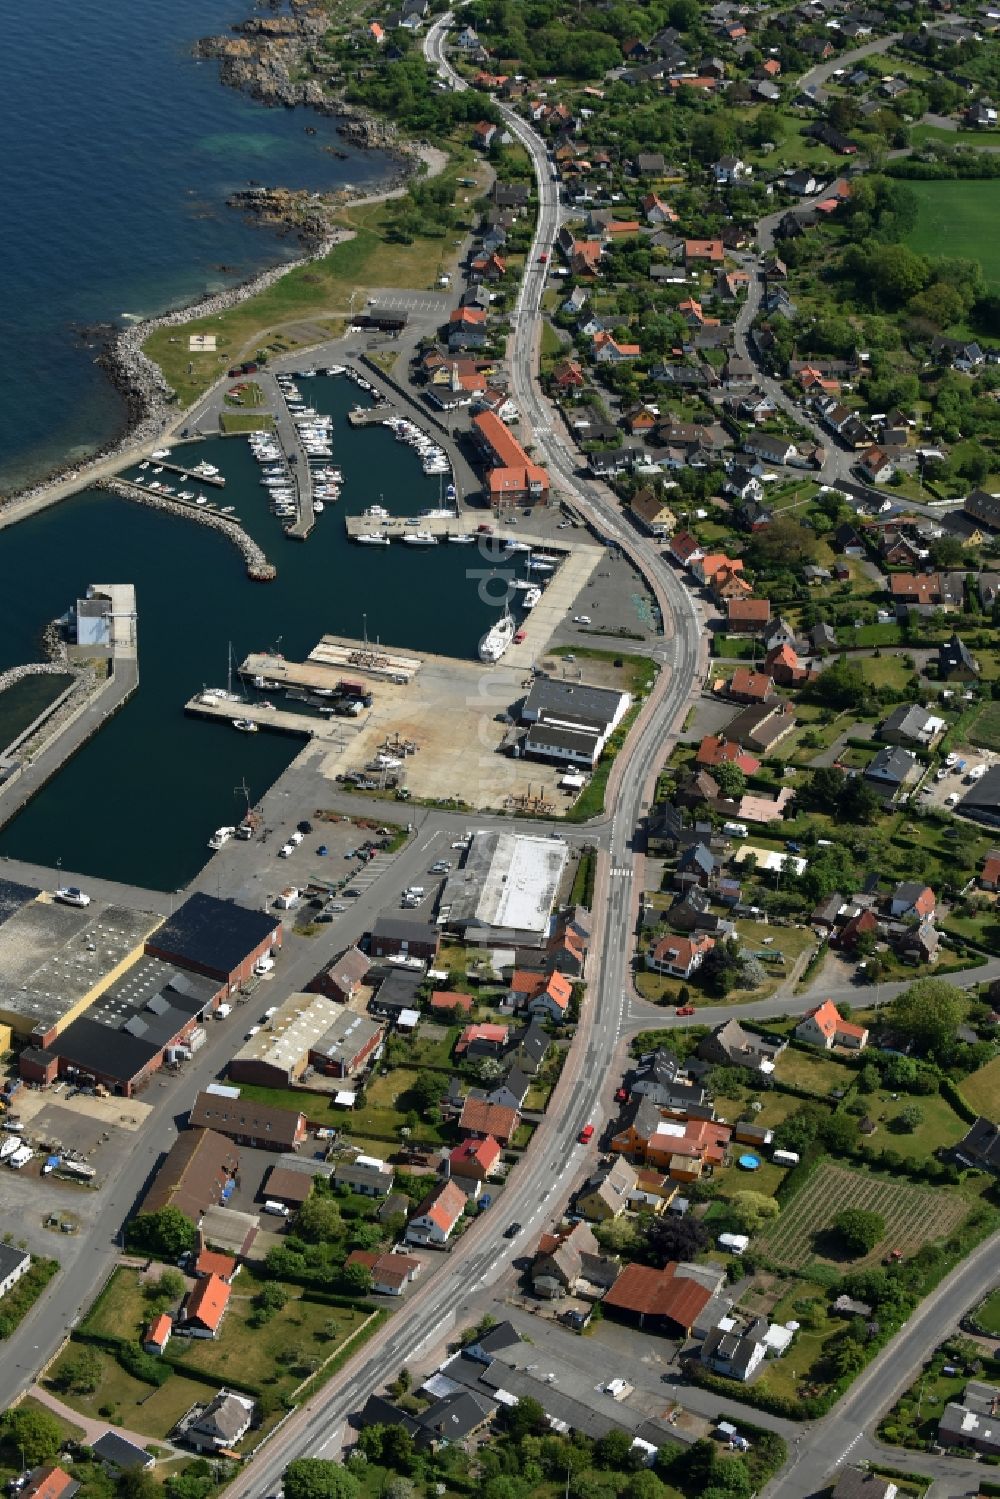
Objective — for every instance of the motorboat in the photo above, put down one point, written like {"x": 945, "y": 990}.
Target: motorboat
{"x": 516, "y": 546}
{"x": 221, "y": 836}
{"x": 318, "y": 507}
{"x": 245, "y": 725}
{"x": 370, "y": 539}
{"x": 420, "y": 538}
{"x": 462, "y": 540}
{"x": 376, "y": 511}
{"x": 161, "y": 452}
{"x": 531, "y": 597}
{"x": 538, "y": 565}
{"x": 496, "y": 640}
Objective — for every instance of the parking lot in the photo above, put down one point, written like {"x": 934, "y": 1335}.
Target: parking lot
{"x": 938, "y": 790}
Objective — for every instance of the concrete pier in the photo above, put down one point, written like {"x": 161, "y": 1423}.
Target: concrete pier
{"x": 30, "y": 770}
{"x": 333, "y": 732}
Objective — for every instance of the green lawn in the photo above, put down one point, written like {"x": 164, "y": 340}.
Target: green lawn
{"x": 985, "y": 728}
{"x": 941, "y": 1125}
{"x": 920, "y": 134}
{"x": 988, "y": 1314}
{"x": 886, "y": 671}
{"x": 137, "y": 1406}
{"x": 245, "y": 421}
{"x": 817, "y": 1072}
{"x": 959, "y": 217}
{"x": 981, "y": 1090}
{"x": 386, "y": 1105}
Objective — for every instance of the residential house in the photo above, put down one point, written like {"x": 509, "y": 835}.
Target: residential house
{"x": 703, "y": 251}
{"x": 973, "y": 1422}
{"x": 776, "y": 450}
{"x": 485, "y": 1038}
{"x": 47, "y": 1483}
{"x": 204, "y": 1308}
{"x": 435, "y": 1217}
{"x": 511, "y": 1091}
{"x": 473, "y": 1162}
{"x": 912, "y": 899}
{"x": 545, "y": 996}
{"x": 749, "y": 686}
{"x": 956, "y": 662}
{"x": 980, "y": 1147}
{"x": 912, "y": 724}
{"x": 736, "y": 1352}
{"x": 678, "y": 957}
{"x": 731, "y": 169}
{"x": 892, "y": 768}
{"x": 680, "y": 1148}
{"x": 989, "y": 877}
{"x": 747, "y": 616}
{"x": 730, "y": 1045}
{"x": 570, "y": 1261}
{"x": 661, "y": 1078}
{"x": 225, "y": 1420}
{"x": 157, "y": 1335}
{"x": 478, "y": 1117}
{"x": 760, "y": 727}
{"x": 606, "y": 1194}
{"x": 391, "y": 1272}
{"x": 825, "y": 1026}
{"x": 716, "y": 749}
{"x": 862, "y": 1483}
{"x": 653, "y": 513}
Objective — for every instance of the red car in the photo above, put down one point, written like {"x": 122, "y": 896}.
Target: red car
{"x": 520, "y": 635}
{"x": 487, "y": 529}
{"x": 684, "y": 1010}
{"x": 586, "y": 1134}
{"x": 543, "y": 259}
{"x": 621, "y": 1095}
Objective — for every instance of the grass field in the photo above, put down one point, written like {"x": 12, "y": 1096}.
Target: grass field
{"x": 981, "y": 1090}
{"x": 985, "y": 728}
{"x": 311, "y": 301}
{"x": 959, "y": 218}
{"x": 820, "y": 1074}
{"x": 988, "y": 1314}
{"x": 940, "y": 1126}
{"x": 138, "y": 1406}
{"x": 913, "y": 1215}
{"x": 245, "y": 421}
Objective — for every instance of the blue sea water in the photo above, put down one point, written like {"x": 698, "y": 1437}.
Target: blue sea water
{"x": 118, "y": 149}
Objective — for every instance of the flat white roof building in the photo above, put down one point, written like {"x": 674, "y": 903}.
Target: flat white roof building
{"x": 506, "y": 889}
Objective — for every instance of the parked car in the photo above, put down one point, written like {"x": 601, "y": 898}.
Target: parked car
{"x": 586, "y": 1134}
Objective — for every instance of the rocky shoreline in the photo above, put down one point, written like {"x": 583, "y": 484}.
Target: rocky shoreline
{"x": 258, "y": 60}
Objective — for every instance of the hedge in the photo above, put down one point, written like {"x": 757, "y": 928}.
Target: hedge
{"x": 953, "y": 1094}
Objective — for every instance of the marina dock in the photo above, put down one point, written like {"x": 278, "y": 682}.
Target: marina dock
{"x": 216, "y": 480}
{"x": 327, "y": 663}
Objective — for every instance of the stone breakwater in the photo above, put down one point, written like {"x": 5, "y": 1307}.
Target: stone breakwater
{"x": 258, "y": 567}
{"x": 15, "y": 674}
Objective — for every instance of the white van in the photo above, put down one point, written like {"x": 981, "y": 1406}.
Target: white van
{"x": 736, "y": 829}
{"x": 277, "y": 1208}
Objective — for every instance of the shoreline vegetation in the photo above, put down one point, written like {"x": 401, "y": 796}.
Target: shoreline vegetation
{"x": 157, "y": 396}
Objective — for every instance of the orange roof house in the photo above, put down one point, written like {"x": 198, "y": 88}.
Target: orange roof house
{"x": 542, "y": 994}
{"x": 749, "y": 615}
{"x": 990, "y": 877}
{"x": 475, "y": 1159}
{"x": 205, "y": 1307}
{"x": 49, "y": 1483}
{"x": 513, "y": 476}
{"x": 210, "y": 1262}
{"x": 622, "y": 228}
{"x": 376, "y": 32}
{"x": 678, "y": 957}
{"x": 569, "y": 375}
{"x": 481, "y": 1118}
{"x": 437, "y": 1215}
{"x": 450, "y": 999}
{"x": 585, "y": 257}
{"x": 486, "y": 1032}
{"x": 715, "y": 749}
{"x": 157, "y": 1334}
{"x": 825, "y": 1026}
{"x": 708, "y": 567}
{"x": 710, "y": 250}
{"x": 681, "y": 1148}
{"x": 467, "y": 317}
{"x": 749, "y": 686}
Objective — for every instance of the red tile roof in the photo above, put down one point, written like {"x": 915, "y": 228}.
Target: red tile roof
{"x": 482, "y": 1031}
{"x": 475, "y": 1157}
{"x": 659, "y": 1293}
{"x": 159, "y": 1331}
{"x": 48, "y": 1483}
{"x": 207, "y": 1302}
{"x": 714, "y": 749}
{"x": 210, "y": 1262}
{"x": 482, "y": 1118}
{"x": 449, "y": 999}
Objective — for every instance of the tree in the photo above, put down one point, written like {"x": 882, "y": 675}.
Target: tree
{"x": 751, "y": 1209}
{"x": 525, "y": 1418}
{"x": 910, "y": 1118}
{"x": 783, "y": 544}
{"x": 316, "y": 1478}
{"x": 929, "y": 1013}
{"x": 398, "y": 1451}
{"x": 169, "y": 1287}
{"x": 669, "y": 1238}
{"x": 34, "y": 1434}
{"x": 166, "y": 1233}
{"x": 80, "y": 1374}
{"x": 357, "y": 1279}
{"x": 731, "y": 779}
{"x": 614, "y": 1451}
{"x": 426, "y": 1091}
{"x": 319, "y": 1220}
{"x": 859, "y": 1230}
{"x": 138, "y": 1484}
{"x": 644, "y": 1485}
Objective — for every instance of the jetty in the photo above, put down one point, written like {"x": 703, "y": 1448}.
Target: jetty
{"x": 42, "y": 749}
{"x": 327, "y": 663}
